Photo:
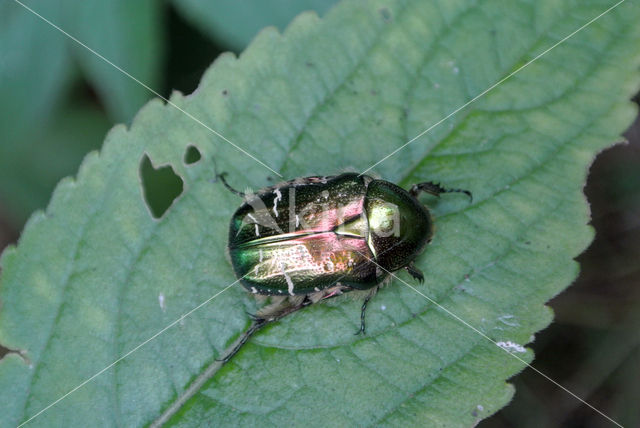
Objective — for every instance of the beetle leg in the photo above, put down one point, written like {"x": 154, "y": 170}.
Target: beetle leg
{"x": 332, "y": 293}
{"x": 260, "y": 321}
{"x": 435, "y": 189}
{"x": 415, "y": 272}
{"x": 253, "y": 317}
{"x": 256, "y": 325}
{"x": 362, "y": 320}
{"x": 363, "y": 311}
{"x": 224, "y": 181}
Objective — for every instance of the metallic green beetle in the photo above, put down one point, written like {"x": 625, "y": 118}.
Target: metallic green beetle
{"x": 314, "y": 238}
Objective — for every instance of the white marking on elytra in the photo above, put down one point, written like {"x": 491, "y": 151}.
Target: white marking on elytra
{"x": 253, "y": 290}
{"x": 255, "y": 269}
{"x": 260, "y": 252}
{"x": 161, "y": 301}
{"x": 287, "y": 278}
{"x": 252, "y": 217}
{"x": 257, "y": 229}
{"x": 297, "y": 220}
{"x": 316, "y": 289}
{"x": 275, "y": 201}
{"x": 511, "y": 346}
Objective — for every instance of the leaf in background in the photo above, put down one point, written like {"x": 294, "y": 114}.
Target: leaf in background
{"x": 235, "y": 23}
{"x": 26, "y": 48}
{"x": 95, "y": 275}
{"x": 36, "y": 149}
{"x": 127, "y": 33}
{"x": 31, "y": 165}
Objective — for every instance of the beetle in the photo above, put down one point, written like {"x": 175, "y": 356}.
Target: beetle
{"x": 314, "y": 238}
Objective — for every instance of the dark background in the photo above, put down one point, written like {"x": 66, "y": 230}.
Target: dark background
{"x": 592, "y": 347}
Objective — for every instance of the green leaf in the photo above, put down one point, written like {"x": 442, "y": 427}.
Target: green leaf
{"x": 95, "y": 275}
{"x": 128, "y": 34}
{"x": 235, "y": 24}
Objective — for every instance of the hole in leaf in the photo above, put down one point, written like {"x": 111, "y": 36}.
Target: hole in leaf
{"x": 160, "y": 186}
{"x": 192, "y": 155}
{"x": 4, "y": 351}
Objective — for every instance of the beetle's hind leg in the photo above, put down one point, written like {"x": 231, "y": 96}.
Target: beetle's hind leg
{"x": 275, "y": 312}
{"x": 435, "y": 189}
{"x": 415, "y": 272}
{"x": 276, "y": 306}
{"x": 254, "y": 317}
{"x": 256, "y": 325}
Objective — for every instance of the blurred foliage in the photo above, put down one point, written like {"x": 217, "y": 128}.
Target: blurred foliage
{"x": 58, "y": 101}
{"x": 46, "y": 127}
{"x": 128, "y": 34}
{"x": 235, "y": 23}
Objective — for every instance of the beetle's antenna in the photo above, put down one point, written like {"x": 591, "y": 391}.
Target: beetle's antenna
{"x": 435, "y": 189}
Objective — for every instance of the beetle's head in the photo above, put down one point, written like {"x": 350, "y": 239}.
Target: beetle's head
{"x": 399, "y": 225}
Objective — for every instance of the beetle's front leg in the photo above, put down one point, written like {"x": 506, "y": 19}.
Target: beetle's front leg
{"x": 435, "y": 189}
